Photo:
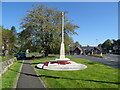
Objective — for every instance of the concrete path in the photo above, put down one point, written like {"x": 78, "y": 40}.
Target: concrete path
{"x": 28, "y": 77}
{"x": 110, "y": 60}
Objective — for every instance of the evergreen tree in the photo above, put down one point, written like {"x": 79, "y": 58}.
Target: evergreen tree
{"x": 15, "y": 36}
{"x": 13, "y": 29}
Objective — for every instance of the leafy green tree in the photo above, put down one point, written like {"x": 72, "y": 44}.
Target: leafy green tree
{"x": 0, "y": 38}
{"x": 77, "y": 44}
{"x": 107, "y": 45}
{"x": 8, "y": 40}
{"x": 114, "y": 44}
{"x": 42, "y": 26}
{"x": 118, "y": 42}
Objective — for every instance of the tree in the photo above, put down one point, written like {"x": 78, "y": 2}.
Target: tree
{"x": 107, "y": 45}
{"x": 13, "y": 29}
{"x": 118, "y": 42}
{"x": 15, "y": 42}
{"x": 0, "y": 38}
{"x": 25, "y": 40}
{"x": 43, "y": 27}
{"x": 77, "y": 44}
{"x": 7, "y": 40}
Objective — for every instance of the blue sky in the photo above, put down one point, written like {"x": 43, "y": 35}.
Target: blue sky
{"x": 98, "y": 21}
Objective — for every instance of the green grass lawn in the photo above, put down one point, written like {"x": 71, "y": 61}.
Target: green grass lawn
{"x": 95, "y": 76}
{"x": 5, "y": 58}
{"x": 10, "y": 76}
{"x": 50, "y": 57}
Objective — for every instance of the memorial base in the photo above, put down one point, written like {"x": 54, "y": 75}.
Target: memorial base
{"x": 61, "y": 66}
{"x": 62, "y": 59}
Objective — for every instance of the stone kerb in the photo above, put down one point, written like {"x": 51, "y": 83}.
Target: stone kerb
{"x": 4, "y": 65}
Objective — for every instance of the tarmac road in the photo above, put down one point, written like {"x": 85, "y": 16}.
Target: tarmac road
{"x": 110, "y": 60}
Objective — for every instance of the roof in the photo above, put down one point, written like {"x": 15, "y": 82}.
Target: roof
{"x": 77, "y": 47}
{"x": 85, "y": 47}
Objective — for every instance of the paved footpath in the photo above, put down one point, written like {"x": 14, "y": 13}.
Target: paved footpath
{"x": 28, "y": 77}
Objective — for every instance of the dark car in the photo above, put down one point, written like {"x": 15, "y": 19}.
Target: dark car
{"x": 20, "y": 56}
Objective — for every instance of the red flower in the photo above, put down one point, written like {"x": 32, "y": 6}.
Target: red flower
{"x": 46, "y": 64}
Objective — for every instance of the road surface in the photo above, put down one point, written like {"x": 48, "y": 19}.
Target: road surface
{"x": 110, "y": 60}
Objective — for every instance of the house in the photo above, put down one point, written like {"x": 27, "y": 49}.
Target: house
{"x": 76, "y": 51}
{"x": 90, "y": 49}
{"x": 85, "y": 50}
{"x": 116, "y": 50}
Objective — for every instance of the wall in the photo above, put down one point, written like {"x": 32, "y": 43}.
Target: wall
{"x": 4, "y": 65}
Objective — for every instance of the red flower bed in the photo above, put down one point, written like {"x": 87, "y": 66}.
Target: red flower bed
{"x": 61, "y": 63}
{"x": 64, "y": 63}
{"x": 46, "y": 64}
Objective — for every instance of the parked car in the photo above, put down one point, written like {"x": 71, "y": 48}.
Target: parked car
{"x": 20, "y": 56}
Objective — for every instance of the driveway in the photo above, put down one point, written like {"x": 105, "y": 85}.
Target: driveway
{"x": 110, "y": 60}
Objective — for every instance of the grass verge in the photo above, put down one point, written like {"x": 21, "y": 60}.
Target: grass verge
{"x": 95, "y": 76}
{"x": 10, "y": 76}
{"x": 49, "y": 57}
{"x": 5, "y": 58}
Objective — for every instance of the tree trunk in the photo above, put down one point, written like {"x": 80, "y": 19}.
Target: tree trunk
{"x": 46, "y": 53}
